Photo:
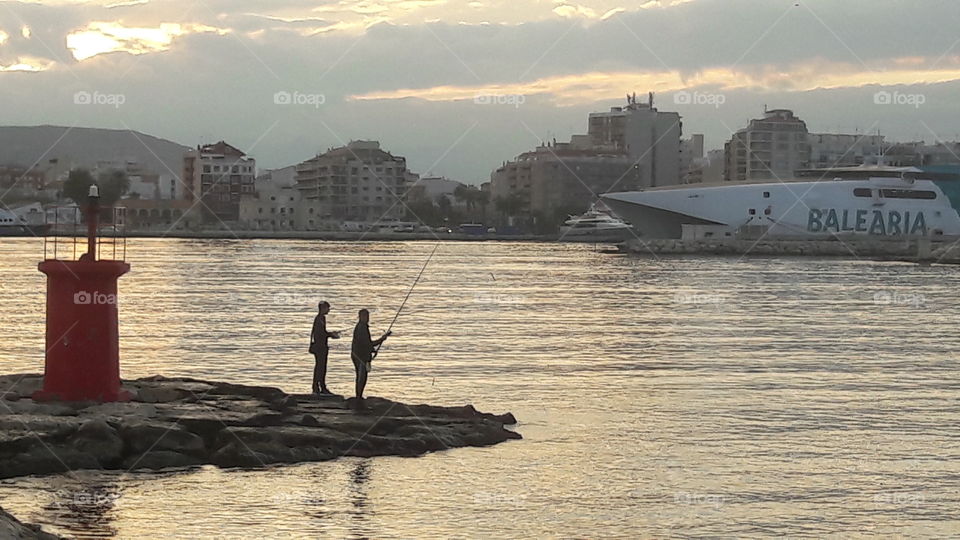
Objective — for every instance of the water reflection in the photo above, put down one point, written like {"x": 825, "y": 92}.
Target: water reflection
{"x": 89, "y": 508}
{"x": 359, "y": 478}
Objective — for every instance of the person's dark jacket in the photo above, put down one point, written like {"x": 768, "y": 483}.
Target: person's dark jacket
{"x": 319, "y": 337}
{"x": 363, "y": 345}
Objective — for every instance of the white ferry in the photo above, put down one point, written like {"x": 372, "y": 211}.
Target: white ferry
{"x": 867, "y": 200}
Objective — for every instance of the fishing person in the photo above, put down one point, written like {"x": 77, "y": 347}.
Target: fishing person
{"x": 363, "y": 349}
{"x": 320, "y": 347}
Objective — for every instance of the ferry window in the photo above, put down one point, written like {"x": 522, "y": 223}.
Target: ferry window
{"x": 766, "y": 194}
{"x": 861, "y": 192}
{"x": 753, "y": 211}
{"x": 908, "y": 194}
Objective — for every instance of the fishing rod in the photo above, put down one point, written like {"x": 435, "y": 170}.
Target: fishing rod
{"x": 404, "y": 303}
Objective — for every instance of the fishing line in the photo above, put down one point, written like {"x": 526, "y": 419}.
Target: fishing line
{"x": 404, "y": 303}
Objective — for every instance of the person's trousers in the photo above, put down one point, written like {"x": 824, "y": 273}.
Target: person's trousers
{"x": 320, "y": 369}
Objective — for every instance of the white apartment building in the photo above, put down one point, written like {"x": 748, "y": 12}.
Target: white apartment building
{"x": 357, "y": 182}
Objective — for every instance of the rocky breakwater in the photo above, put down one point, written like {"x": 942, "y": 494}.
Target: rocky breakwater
{"x": 180, "y": 422}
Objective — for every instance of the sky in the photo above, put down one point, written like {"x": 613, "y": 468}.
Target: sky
{"x": 459, "y": 86}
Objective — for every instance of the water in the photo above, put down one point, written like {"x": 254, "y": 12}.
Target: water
{"x": 657, "y": 397}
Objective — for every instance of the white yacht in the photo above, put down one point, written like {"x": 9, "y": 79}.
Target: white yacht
{"x": 595, "y": 226}
{"x": 861, "y": 201}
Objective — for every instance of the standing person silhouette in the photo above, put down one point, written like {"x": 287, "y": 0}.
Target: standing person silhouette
{"x": 320, "y": 347}
{"x": 362, "y": 350}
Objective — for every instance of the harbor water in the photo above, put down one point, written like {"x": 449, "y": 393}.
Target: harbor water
{"x": 658, "y": 396}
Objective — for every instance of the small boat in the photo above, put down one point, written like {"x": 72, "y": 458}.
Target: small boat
{"x": 595, "y": 226}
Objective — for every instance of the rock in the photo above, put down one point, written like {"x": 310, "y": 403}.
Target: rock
{"x": 156, "y": 437}
{"x": 157, "y": 394}
{"x": 99, "y": 439}
{"x": 11, "y": 527}
{"x": 161, "y": 459}
{"x": 187, "y": 422}
{"x": 11, "y": 396}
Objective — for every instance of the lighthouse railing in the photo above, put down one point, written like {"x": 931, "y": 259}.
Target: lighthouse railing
{"x": 65, "y": 235}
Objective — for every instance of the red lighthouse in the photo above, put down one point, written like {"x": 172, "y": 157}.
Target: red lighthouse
{"x": 83, "y": 340}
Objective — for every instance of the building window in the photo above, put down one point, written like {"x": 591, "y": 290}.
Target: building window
{"x": 908, "y": 194}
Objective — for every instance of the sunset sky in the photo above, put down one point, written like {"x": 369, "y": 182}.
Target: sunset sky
{"x": 407, "y": 72}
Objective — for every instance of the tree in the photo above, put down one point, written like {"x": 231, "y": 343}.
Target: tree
{"x": 112, "y": 184}
{"x": 444, "y": 205}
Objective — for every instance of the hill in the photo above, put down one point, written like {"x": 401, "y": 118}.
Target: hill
{"x": 57, "y": 149}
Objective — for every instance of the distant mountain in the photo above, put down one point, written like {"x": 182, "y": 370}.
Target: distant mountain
{"x": 57, "y": 149}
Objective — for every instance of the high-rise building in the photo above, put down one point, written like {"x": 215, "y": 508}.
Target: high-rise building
{"x": 691, "y": 160}
{"x": 768, "y": 148}
{"x": 562, "y": 178}
{"x": 649, "y": 136}
{"x": 217, "y": 176}
{"x": 356, "y": 182}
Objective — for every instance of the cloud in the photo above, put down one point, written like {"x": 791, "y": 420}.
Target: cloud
{"x": 591, "y": 87}
{"x": 106, "y": 37}
{"x": 27, "y": 64}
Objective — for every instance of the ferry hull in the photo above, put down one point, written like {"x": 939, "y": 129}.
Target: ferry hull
{"x": 873, "y": 207}
{"x": 653, "y": 222}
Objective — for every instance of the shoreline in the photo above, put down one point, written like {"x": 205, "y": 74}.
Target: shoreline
{"x": 912, "y": 250}
{"x": 324, "y": 235}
